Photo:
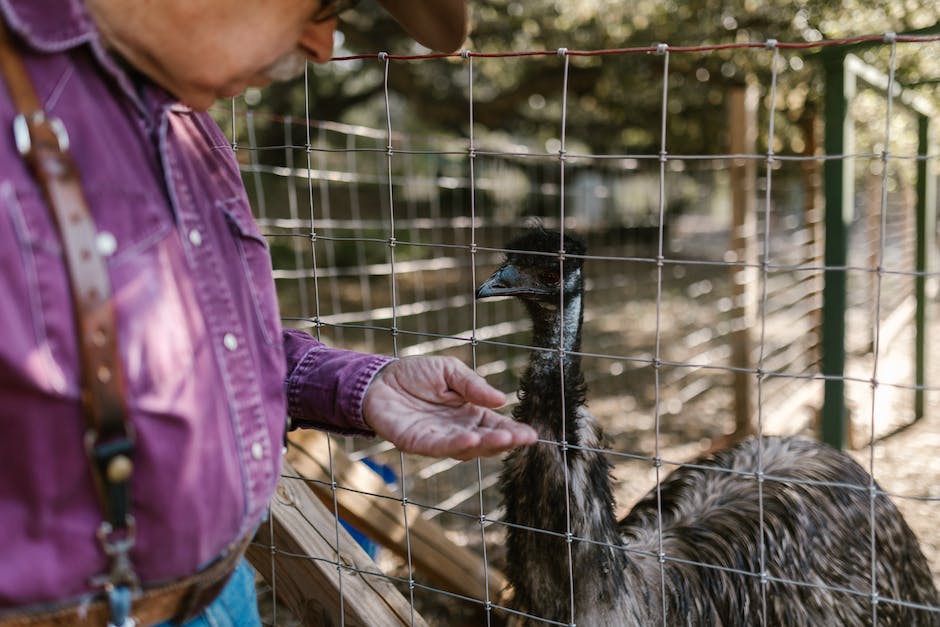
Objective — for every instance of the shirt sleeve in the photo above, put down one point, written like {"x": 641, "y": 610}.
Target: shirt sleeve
{"x": 325, "y": 386}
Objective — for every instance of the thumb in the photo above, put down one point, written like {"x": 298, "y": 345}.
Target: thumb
{"x": 472, "y": 387}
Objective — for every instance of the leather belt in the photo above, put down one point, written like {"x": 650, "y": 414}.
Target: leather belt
{"x": 178, "y": 601}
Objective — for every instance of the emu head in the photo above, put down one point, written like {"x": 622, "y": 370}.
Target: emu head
{"x": 535, "y": 272}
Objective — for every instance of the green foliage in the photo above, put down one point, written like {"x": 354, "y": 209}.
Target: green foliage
{"x": 614, "y": 103}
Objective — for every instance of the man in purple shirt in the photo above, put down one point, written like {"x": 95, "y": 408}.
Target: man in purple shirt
{"x": 210, "y": 375}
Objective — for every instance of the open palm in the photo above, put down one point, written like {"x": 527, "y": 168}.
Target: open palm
{"x": 438, "y": 406}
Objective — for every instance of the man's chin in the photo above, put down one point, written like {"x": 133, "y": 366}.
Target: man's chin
{"x": 286, "y": 67}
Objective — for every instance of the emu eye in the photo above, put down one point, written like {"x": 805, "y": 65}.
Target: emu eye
{"x": 550, "y": 276}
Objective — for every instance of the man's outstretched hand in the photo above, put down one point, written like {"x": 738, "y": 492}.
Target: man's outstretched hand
{"x": 437, "y": 406}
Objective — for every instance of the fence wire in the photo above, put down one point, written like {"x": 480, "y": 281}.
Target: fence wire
{"x": 399, "y": 228}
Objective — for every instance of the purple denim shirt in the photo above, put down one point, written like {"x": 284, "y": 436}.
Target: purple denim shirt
{"x": 210, "y": 374}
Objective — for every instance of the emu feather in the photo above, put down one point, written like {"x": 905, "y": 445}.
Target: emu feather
{"x": 814, "y": 513}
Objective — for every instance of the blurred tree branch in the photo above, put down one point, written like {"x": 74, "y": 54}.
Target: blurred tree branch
{"x": 614, "y": 103}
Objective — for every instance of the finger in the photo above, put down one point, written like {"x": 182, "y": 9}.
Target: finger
{"x": 439, "y": 441}
{"x": 508, "y": 437}
{"x": 472, "y": 387}
{"x": 498, "y": 436}
{"x": 522, "y": 433}
{"x": 467, "y": 443}
{"x": 493, "y": 443}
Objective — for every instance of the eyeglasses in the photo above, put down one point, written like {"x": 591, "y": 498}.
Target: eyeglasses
{"x": 333, "y": 8}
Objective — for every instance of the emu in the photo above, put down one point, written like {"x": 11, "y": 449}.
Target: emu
{"x": 814, "y": 514}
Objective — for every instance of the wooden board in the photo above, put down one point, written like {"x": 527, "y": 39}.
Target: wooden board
{"x": 303, "y": 570}
{"x": 377, "y": 512}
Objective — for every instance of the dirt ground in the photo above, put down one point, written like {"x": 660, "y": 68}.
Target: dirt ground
{"x": 908, "y": 463}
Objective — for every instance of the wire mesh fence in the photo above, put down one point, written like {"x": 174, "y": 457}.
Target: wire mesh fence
{"x": 379, "y": 238}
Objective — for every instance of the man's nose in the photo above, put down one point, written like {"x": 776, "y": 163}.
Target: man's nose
{"x": 317, "y": 40}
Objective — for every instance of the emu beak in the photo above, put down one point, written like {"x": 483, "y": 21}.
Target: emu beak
{"x": 506, "y": 281}
{"x": 501, "y": 283}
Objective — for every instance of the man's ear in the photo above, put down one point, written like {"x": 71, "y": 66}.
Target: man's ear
{"x": 317, "y": 40}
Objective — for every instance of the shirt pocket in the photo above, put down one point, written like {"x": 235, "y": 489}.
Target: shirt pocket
{"x": 255, "y": 257}
{"x": 40, "y": 339}
{"x": 37, "y": 350}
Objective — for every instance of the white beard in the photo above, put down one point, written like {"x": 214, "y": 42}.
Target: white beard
{"x": 287, "y": 66}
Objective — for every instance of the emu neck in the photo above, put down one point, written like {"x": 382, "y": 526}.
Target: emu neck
{"x": 560, "y": 489}
{"x": 556, "y": 328}
{"x": 552, "y": 388}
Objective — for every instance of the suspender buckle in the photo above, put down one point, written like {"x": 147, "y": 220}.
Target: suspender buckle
{"x": 117, "y": 545}
{"x": 120, "y": 583}
{"x": 23, "y": 135}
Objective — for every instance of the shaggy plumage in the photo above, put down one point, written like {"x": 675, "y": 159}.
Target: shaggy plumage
{"x": 816, "y": 535}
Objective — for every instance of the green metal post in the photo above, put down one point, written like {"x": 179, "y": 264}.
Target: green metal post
{"x": 839, "y": 181}
{"x": 926, "y": 201}
{"x": 834, "y": 419}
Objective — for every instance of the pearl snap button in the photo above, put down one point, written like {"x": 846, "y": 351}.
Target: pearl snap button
{"x": 105, "y": 243}
{"x": 230, "y": 341}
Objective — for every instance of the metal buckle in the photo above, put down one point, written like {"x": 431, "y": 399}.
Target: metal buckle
{"x": 23, "y": 136}
{"x": 121, "y": 582}
{"x": 117, "y": 545}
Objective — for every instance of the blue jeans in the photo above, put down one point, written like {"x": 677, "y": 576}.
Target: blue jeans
{"x": 236, "y": 606}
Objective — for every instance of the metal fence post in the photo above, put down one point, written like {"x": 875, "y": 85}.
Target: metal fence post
{"x": 926, "y": 212}
{"x": 839, "y": 86}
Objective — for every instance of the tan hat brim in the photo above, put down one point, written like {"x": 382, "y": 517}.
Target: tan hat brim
{"x": 437, "y": 24}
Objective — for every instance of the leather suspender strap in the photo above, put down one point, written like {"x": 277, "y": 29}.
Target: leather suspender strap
{"x": 109, "y": 439}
